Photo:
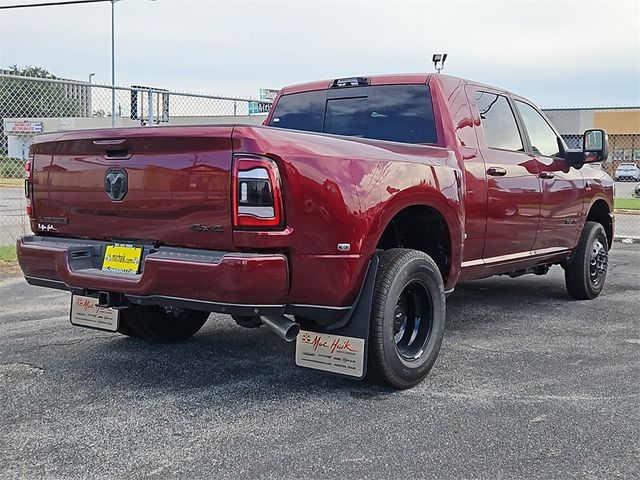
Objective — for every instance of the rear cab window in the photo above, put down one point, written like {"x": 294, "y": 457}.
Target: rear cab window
{"x": 397, "y": 113}
{"x": 301, "y": 111}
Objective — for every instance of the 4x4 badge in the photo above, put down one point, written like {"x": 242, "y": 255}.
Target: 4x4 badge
{"x": 116, "y": 183}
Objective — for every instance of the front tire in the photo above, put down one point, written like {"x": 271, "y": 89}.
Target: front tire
{"x": 159, "y": 325}
{"x": 585, "y": 274}
{"x": 407, "y": 318}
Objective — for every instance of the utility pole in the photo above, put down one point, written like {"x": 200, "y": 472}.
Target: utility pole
{"x": 113, "y": 64}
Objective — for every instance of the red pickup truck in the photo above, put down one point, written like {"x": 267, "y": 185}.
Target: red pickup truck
{"x": 343, "y": 222}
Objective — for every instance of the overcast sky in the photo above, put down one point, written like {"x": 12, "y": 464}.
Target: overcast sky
{"x": 558, "y": 53}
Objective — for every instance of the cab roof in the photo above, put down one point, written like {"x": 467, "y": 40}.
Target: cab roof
{"x": 385, "y": 79}
{"x": 388, "y": 79}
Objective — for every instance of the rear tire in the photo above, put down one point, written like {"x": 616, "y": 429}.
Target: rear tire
{"x": 247, "y": 321}
{"x": 155, "y": 324}
{"x": 585, "y": 274}
{"x": 407, "y": 318}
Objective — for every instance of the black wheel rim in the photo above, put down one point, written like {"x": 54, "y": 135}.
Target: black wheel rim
{"x": 413, "y": 321}
{"x": 598, "y": 263}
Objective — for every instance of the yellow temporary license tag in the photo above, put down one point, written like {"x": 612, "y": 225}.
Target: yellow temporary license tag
{"x": 122, "y": 259}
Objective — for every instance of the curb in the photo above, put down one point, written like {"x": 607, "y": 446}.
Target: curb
{"x": 626, "y": 211}
{"x": 626, "y": 240}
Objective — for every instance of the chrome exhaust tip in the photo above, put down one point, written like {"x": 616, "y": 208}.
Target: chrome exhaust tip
{"x": 282, "y": 326}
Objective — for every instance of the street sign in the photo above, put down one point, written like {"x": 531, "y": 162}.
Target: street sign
{"x": 23, "y": 126}
{"x": 259, "y": 107}
{"x": 268, "y": 94}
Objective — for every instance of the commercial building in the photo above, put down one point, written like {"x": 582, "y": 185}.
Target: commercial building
{"x": 621, "y": 123}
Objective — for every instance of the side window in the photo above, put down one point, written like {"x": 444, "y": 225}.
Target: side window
{"x": 401, "y": 113}
{"x": 498, "y": 122}
{"x": 544, "y": 140}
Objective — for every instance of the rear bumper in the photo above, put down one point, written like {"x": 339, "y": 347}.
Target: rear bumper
{"x": 228, "y": 282}
{"x": 224, "y": 282}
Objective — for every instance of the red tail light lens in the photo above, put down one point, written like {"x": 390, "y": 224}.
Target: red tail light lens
{"x": 257, "y": 194}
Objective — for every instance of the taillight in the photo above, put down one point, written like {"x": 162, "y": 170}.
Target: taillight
{"x": 27, "y": 185}
{"x": 257, "y": 193}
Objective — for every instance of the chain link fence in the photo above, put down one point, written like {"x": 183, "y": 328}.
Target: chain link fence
{"x": 29, "y": 106}
{"x": 623, "y": 150}
{"x": 33, "y": 105}
{"x": 623, "y": 164}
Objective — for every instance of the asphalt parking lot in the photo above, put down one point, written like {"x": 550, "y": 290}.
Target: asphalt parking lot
{"x": 529, "y": 384}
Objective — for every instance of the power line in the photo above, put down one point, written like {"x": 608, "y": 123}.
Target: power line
{"x": 50, "y": 4}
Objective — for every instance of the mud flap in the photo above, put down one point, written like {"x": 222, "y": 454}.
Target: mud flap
{"x": 342, "y": 347}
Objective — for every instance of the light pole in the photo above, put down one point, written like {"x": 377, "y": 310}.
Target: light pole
{"x": 89, "y": 94}
{"x": 113, "y": 40}
{"x": 113, "y": 64}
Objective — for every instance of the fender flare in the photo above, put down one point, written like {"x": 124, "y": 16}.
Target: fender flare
{"x": 450, "y": 211}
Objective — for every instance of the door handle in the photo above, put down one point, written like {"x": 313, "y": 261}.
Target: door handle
{"x": 546, "y": 175}
{"x": 496, "y": 171}
{"x": 116, "y": 149}
{"x": 119, "y": 143}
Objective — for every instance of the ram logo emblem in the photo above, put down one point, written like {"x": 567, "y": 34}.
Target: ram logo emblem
{"x": 116, "y": 183}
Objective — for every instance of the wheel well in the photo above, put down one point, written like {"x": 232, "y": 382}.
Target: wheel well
{"x": 600, "y": 213}
{"x": 420, "y": 228}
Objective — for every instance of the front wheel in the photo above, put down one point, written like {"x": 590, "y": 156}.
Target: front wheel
{"x": 164, "y": 324}
{"x": 407, "y": 318}
{"x": 585, "y": 274}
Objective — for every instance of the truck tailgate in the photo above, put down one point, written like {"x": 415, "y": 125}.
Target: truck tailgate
{"x": 177, "y": 188}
